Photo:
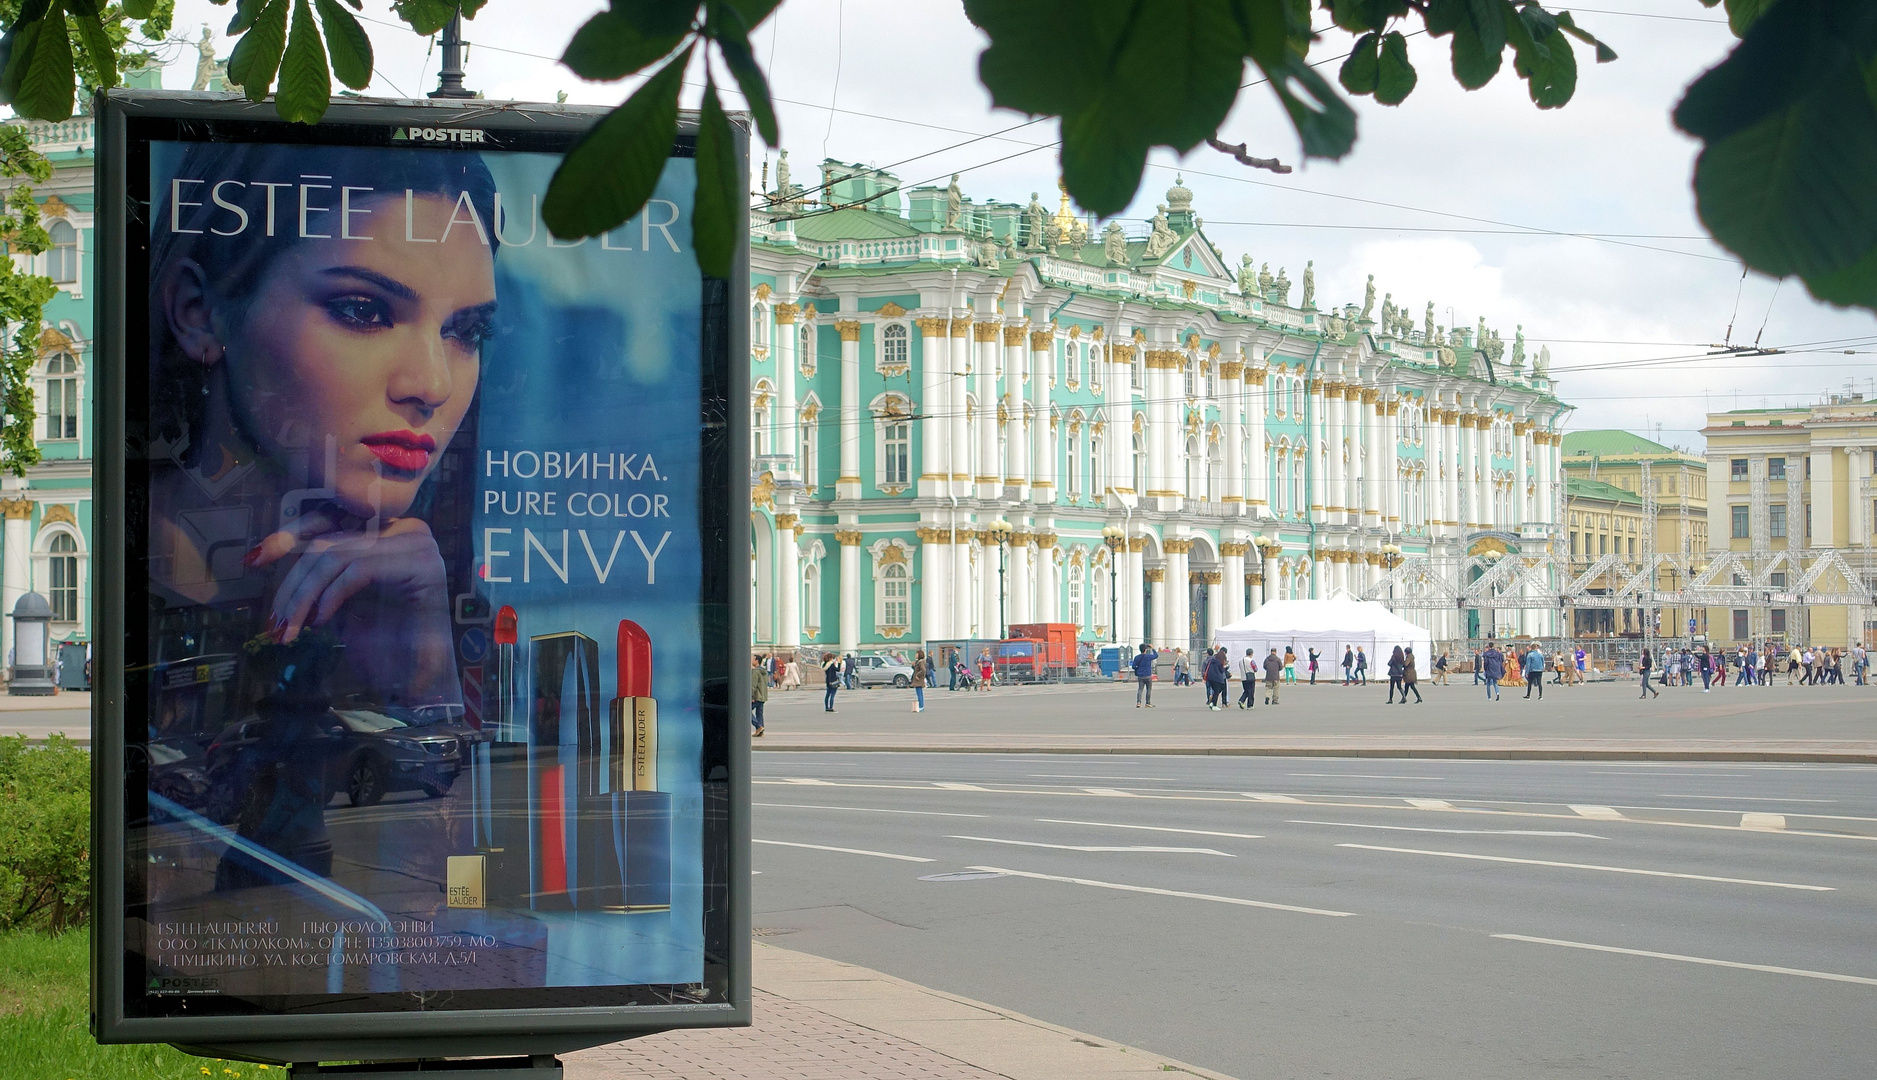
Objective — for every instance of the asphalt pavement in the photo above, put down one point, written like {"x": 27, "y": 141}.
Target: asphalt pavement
{"x": 1301, "y": 917}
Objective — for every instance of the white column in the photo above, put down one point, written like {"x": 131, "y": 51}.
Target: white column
{"x": 1232, "y": 404}
{"x": 1313, "y": 462}
{"x": 990, "y": 589}
{"x": 850, "y": 596}
{"x": 1258, "y": 497}
{"x": 1318, "y": 588}
{"x": 1215, "y": 606}
{"x": 934, "y": 356}
{"x": 1132, "y": 589}
{"x": 1021, "y": 590}
{"x": 1390, "y": 446}
{"x": 1017, "y": 439}
{"x": 964, "y": 603}
{"x": 788, "y": 438}
{"x": 1232, "y": 554}
{"x": 788, "y": 583}
{"x": 1120, "y": 408}
{"x": 1522, "y": 504}
{"x": 989, "y": 479}
{"x": 847, "y": 485}
{"x": 1163, "y": 472}
{"x": 956, "y": 392}
{"x": 1157, "y": 605}
{"x": 934, "y": 566}
{"x": 1334, "y": 501}
{"x": 1042, "y": 462}
{"x": 1450, "y": 446}
{"x": 1179, "y": 596}
{"x": 1377, "y": 484}
{"x": 16, "y": 565}
{"x": 1048, "y": 590}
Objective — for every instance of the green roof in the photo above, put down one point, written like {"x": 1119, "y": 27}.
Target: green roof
{"x": 1578, "y": 487}
{"x": 852, "y": 224}
{"x": 1610, "y": 442}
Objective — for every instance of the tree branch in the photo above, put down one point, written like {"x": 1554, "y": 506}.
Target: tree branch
{"x": 1244, "y": 158}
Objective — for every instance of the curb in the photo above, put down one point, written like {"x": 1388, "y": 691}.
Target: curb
{"x": 1441, "y": 753}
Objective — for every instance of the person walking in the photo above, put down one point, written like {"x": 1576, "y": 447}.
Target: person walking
{"x": 1395, "y": 664}
{"x": 1860, "y": 664}
{"x": 1440, "y": 669}
{"x": 987, "y": 671}
{"x": 1534, "y": 672}
{"x": 1143, "y": 665}
{"x": 921, "y": 667}
{"x": 1493, "y": 668}
{"x": 792, "y": 674}
{"x": 1706, "y": 663}
{"x": 1479, "y": 666}
{"x": 758, "y": 696}
{"x": 850, "y": 669}
{"x": 1558, "y": 664}
{"x": 1410, "y": 678}
{"x": 1248, "y": 679}
{"x": 1314, "y": 659}
{"x": 1180, "y": 675}
{"x": 831, "y": 675}
{"x": 1644, "y": 665}
{"x": 1290, "y": 665}
{"x": 1273, "y": 666}
{"x": 1362, "y": 667}
{"x": 1349, "y": 666}
{"x": 1580, "y": 659}
{"x": 1218, "y": 676}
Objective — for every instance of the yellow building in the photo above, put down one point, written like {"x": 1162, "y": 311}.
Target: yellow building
{"x": 1796, "y": 502}
{"x": 1633, "y": 497}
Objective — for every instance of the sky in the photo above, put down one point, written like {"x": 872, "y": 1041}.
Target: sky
{"x": 1577, "y": 224}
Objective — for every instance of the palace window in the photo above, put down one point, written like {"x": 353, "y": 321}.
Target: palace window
{"x": 896, "y": 452}
{"x": 895, "y": 344}
{"x": 806, "y": 461}
{"x": 61, "y": 397}
{"x": 1094, "y": 367}
{"x": 1074, "y": 477}
{"x": 811, "y": 596}
{"x": 895, "y": 598}
{"x": 63, "y": 574}
{"x": 1075, "y": 596}
{"x": 62, "y": 256}
{"x": 1778, "y": 620}
{"x": 1738, "y": 470}
{"x": 1775, "y": 468}
{"x": 1740, "y": 624}
{"x": 1776, "y": 521}
{"x": 1072, "y": 362}
{"x": 1190, "y": 374}
{"x": 1095, "y": 490}
{"x": 1195, "y": 471}
{"x": 1137, "y": 371}
{"x": 758, "y": 325}
{"x": 1140, "y": 463}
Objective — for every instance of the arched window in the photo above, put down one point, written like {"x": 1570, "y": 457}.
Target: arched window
{"x": 1140, "y": 463}
{"x": 1074, "y": 477}
{"x": 1190, "y": 374}
{"x": 1094, "y": 367}
{"x": 758, "y": 325}
{"x": 1076, "y": 614}
{"x": 62, "y": 256}
{"x": 896, "y": 452}
{"x": 61, "y": 410}
{"x": 63, "y": 578}
{"x": 807, "y": 460}
{"x": 1195, "y": 471}
{"x": 895, "y": 344}
{"x": 1280, "y": 481}
{"x": 1097, "y": 597}
{"x": 1072, "y": 357}
{"x": 811, "y": 597}
{"x": 895, "y": 598}
{"x": 1095, "y": 488}
{"x": 1298, "y": 501}
{"x": 1215, "y": 471}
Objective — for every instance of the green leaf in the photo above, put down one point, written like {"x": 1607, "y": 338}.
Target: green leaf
{"x": 1101, "y": 167}
{"x": 1265, "y": 26}
{"x": 246, "y": 11}
{"x": 428, "y": 17}
{"x": 1791, "y": 195}
{"x": 614, "y": 169}
{"x": 348, "y": 43}
{"x": 658, "y": 18}
{"x": 1324, "y": 121}
{"x": 1542, "y": 56}
{"x": 1605, "y": 54}
{"x": 1741, "y": 14}
{"x": 1479, "y": 40}
{"x": 1362, "y": 72}
{"x": 1853, "y": 286}
{"x": 722, "y": 189}
{"x": 752, "y": 11}
{"x": 1357, "y": 16}
{"x": 1025, "y": 68}
{"x": 610, "y": 47}
{"x": 1397, "y": 74}
{"x": 99, "y": 53}
{"x": 38, "y": 80}
{"x": 139, "y": 9}
{"x": 1790, "y": 52}
{"x": 755, "y": 86}
{"x": 305, "y": 81}
{"x": 257, "y": 55}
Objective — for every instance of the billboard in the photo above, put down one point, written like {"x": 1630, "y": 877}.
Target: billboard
{"x": 414, "y": 673}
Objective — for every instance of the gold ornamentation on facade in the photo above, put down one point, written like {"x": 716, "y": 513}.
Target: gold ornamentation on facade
{"x": 891, "y": 633}
{"x": 1254, "y": 578}
{"x": 1156, "y": 575}
{"x": 58, "y": 512}
{"x": 961, "y": 327}
{"x": 1045, "y": 539}
{"x": 1121, "y": 354}
{"x": 52, "y": 339}
{"x": 1137, "y": 543}
{"x": 809, "y": 312}
{"x": 1256, "y": 375}
{"x": 1233, "y": 549}
{"x": 889, "y": 310}
{"x": 16, "y": 509}
{"x": 1232, "y": 369}
{"x": 1316, "y": 386}
{"x": 849, "y": 329}
{"x": 1192, "y": 341}
{"x": 1186, "y": 290}
{"x": 786, "y": 313}
{"x": 1206, "y": 577}
{"x": 763, "y": 492}
{"x": 931, "y": 325}
{"x": 55, "y": 207}
{"x": 1013, "y": 336}
{"x": 1177, "y": 547}
{"x": 1165, "y": 359}
{"x": 787, "y": 521}
{"x": 1095, "y": 334}
{"x": 986, "y": 331}
{"x": 929, "y": 535}
{"x": 849, "y": 537}
{"x": 893, "y": 555}
{"x": 1040, "y": 340}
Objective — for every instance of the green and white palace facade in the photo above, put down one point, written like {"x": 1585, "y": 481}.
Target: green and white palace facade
{"x": 968, "y": 414}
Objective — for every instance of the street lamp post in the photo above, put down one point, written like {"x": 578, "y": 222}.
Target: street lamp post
{"x": 1000, "y": 531}
{"x": 1116, "y": 538}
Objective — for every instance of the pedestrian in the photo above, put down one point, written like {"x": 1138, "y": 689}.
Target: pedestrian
{"x": 921, "y": 667}
{"x": 1479, "y": 666}
{"x": 1706, "y": 663}
{"x": 1860, "y": 664}
{"x": 1440, "y": 669}
{"x": 1362, "y": 667}
{"x": 831, "y": 675}
{"x": 1493, "y": 667}
{"x": 1313, "y": 666}
{"x": 1395, "y": 663}
{"x": 758, "y": 696}
{"x": 1580, "y": 660}
{"x": 1218, "y": 676}
{"x": 1410, "y": 678}
{"x": 1248, "y": 677}
{"x": 1180, "y": 675}
{"x": 1290, "y": 664}
{"x": 1144, "y": 676}
{"x": 987, "y": 671}
{"x": 1559, "y": 664}
{"x": 792, "y": 674}
{"x": 1534, "y": 672}
{"x": 1349, "y": 665}
{"x": 850, "y": 669}
{"x": 1273, "y": 666}
{"x": 1644, "y": 665}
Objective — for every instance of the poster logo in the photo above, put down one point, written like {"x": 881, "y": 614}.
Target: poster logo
{"x": 455, "y": 135}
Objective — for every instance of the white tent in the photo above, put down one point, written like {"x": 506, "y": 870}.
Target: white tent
{"x": 1329, "y": 626}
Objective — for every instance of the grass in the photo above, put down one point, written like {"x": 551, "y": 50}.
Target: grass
{"x": 45, "y": 1017}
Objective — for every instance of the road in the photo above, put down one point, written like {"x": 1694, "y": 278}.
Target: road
{"x": 1299, "y": 917}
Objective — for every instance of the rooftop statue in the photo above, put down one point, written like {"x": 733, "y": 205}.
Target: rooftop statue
{"x": 1368, "y": 299}
{"x": 1542, "y": 368}
{"x": 1247, "y": 277}
{"x": 1310, "y": 284}
{"x": 1388, "y": 313}
{"x": 1334, "y": 328}
{"x": 1283, "y": 287}
{"x": 1265, "y": 280}
{"x": 1479, "y": 339}
{"x": 954, "y": 204}
{"x": 205, "y": 60}
{"x": 1162, "y": 239}
{"x": 1448, "y": 359}
{"x": 1078, "y": 234}
{"x": 1114, "y": 244}
{"x": 1518, "y": 348}
{"x": 1427, "y": 328}
{"x": 1035, "y": 218}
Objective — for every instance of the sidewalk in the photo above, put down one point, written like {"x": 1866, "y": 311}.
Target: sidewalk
{"x": 819, "y": 1019}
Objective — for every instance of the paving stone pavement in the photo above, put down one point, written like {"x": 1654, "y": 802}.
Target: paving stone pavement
{"x": 818, "y": 1019}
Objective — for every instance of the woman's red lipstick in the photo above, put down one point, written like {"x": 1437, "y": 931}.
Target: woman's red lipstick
{"x": 406, "y": 451}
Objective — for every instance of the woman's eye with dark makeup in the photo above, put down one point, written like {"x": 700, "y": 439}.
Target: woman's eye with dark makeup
{"x": 469, "y": 330}
{"x": 360, "y": 312}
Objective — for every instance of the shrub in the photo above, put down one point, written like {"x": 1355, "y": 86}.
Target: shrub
{"x": 45, "y": 834}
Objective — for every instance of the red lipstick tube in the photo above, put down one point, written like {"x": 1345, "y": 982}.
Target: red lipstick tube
{"x": 642, "y": 814}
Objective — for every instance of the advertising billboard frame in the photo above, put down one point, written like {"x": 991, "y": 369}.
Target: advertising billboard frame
{"x": 124, "y": 118}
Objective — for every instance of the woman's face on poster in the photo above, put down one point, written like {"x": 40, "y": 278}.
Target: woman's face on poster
{"x": 363, "y": 356}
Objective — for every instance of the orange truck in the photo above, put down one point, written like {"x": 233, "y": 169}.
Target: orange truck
{"x": 1037, "y": 652}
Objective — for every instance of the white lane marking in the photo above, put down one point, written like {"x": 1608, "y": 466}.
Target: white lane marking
{"x": 952, "y": 786}
{"x": 1082, "y": 847}
{"x": 862, "y": 809}
{"x": 1455, "y": 832}
{"x": 1167, "y": 892}
{"x": 1764, "y": 822}
{"x": 1593, "y": 866}
{"x": 1429, "y": 804}
{"x": 1086, "y": 776}
{"x": 1113, "y": 793}
{"x": 1803, "y": 973}
{"x": 1366, "y": 776}
{"x": 844, "y": 850}
{"x": 1744, "y": 798}
{"x": 1154, "y": 828}
{"x": 807, "y": 780}
{"x": 1267, "y": 797}
{"x": 1599, "y": 813}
